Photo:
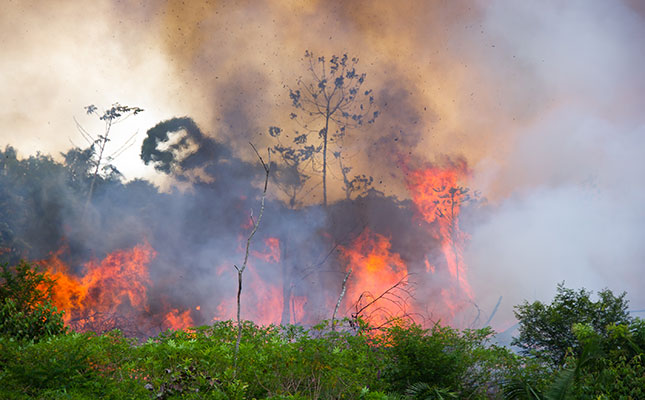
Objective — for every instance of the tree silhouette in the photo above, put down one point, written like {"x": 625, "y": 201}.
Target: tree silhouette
{"x": 451, "y": 201}
{"x": 328, "y": 101}
{"x": 358, "y": 184}
{"x": 290, "y": 176}
{"x": 110, "y": 116}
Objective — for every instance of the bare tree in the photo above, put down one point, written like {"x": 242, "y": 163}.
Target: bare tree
{"x": 113, "y": 115}
{"x": 240, "y": 270}
{"x": 328, "y": 101}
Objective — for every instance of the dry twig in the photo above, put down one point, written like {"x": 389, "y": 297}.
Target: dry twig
{"x": 240, "y": 270}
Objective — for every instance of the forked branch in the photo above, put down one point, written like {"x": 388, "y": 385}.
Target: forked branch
{"x": 240, "y": 270}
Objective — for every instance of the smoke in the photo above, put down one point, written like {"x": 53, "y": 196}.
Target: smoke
{"x": 543, "y": 100}
{"x": 567, "y": 202}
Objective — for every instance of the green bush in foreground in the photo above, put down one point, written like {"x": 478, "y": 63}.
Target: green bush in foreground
{"x": 599, "y": 344}
{"x": 442, "y": 361}
{"x": 546, "y": 329}
{"x": 275, "y": 362}
{"x": 26, "y": 311}
{"x": 71, "y": 365}
{"x": 404, "y": 361}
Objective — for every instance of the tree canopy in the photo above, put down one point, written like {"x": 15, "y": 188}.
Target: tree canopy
{"x": 546, "y": 330}
{"x": 327, "y": 102}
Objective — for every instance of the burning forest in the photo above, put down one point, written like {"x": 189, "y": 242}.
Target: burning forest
{"x": 432, "y": 162}
{"x": 138, "y": 261}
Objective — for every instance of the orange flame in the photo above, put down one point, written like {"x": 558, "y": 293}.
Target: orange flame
{"x": 115, "y": 286}
{"x": 375, "y": 270}
{"x": 298, "y": 308}
{"x": 271, "y": 253}
{"x": 178, "y": 320}
{"x": 266, "y": 297}
{"x": 438, "y": 198}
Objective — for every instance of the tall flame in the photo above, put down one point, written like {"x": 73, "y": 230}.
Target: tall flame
{"x": 438, "y": 198}
{"x": 109, "y": 292}
{"x": 376, "y": 270}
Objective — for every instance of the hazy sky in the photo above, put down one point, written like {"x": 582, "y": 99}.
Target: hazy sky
{"x": 544, "y": 99}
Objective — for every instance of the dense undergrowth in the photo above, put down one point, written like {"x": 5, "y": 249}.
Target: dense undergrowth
{"x": 274, "y": 362}
{"x": 40, "y": 359}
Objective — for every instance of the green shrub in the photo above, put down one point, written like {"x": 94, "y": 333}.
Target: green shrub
{"x": 438, "y": 357}
{"x": 443, "y": 362}
{"x": 85, "y": 364}
{"x": 545, "y": 330}
{"x": 274, "y": 362}
{"x": 26, "y": 311}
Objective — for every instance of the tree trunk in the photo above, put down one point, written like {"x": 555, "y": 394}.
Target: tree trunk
{"x": 325, "y": 135}
{"x": 98, "y": 165}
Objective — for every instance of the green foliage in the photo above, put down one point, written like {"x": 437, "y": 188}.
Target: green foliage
{"x": 546, "y": 330}
{"x": 604, "y": 346}
{"x": 610, "y": 365}
{"x": 74, "y": 365}
{"x": 367, "y": 394}
{"x": 26, "y": 312}
{"x": 423, "y": 391}
{"x": 620, "y": 378}
{"x": 445, "y": 361}
{"x": 292, "y": 362}
{"x": 274, "y": 362}
{"x": 288, "y": 362}
{"x": 420, "y": 355}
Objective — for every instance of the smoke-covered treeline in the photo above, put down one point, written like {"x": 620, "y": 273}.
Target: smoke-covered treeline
{"x": 197, "y": 232}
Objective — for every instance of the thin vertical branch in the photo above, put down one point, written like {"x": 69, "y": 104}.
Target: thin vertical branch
{"x": 340, "y": 299}
{"x": 102, "y": 140}
{"x": 240, "y": 270}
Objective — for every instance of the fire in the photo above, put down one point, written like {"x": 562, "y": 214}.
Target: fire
{"x": 178, "y": 320}
{"x": 438, "y": 198}
{"x": 271, "y": 253}
{"x": 266, "y": 298}
{"x": 261, "y": 300}
{"x": 109, "y": 293}
{"x": 375, "y": 270}
{"x": 298, "y": 308}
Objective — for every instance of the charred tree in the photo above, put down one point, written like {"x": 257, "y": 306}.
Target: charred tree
{"x": 452, "y": 201}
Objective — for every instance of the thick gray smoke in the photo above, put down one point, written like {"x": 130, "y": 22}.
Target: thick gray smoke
{"x": 568, "y": 203}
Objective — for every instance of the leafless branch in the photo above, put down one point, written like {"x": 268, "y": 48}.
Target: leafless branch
{"x": 340, "y": 299}
{"x": 240, "y": 270}
{"x": 401, "y": 282}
